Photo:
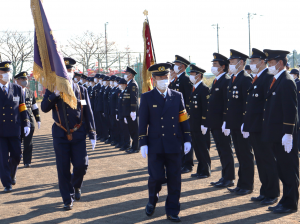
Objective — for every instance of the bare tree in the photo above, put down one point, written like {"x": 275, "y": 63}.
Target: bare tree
{"x": 88, "y": 48}
{"x": 16, "y": 47}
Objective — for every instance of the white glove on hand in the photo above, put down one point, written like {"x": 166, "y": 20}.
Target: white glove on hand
{"x": 133, "y": 115}
{"x": 245, "y": 134}
{"x": 203, "y": 129}
{"x": 287, "y": 142}
{"x": 93, "y": 142}
{"x": 125, "y": 120}
{"x": 103, "y": 114}
{"x": 39, "y": 124}
{"x": 117, "y": 118}
{"x": 224, "y": 130}
{"x": 26, "y": 131}
{"x": 187, "y": 147}
{"x": 56, "y": 92}
{"x": 144, "y": 151}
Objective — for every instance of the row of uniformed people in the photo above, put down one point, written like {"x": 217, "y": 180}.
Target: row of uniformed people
{"x": 114, "y": 101}
{"x": 259, "y": 114}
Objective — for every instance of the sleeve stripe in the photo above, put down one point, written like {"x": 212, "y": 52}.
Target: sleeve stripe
{"x": 289, "y": 124}
{"x": 35, "y": 106}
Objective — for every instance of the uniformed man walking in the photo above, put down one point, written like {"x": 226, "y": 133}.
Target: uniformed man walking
{"x": 106, "y": 109}
{"x": 163, "y": 124}
{"x": 198, "y": 112}
{"x": 130, "y": 107}
{"x": 70, "y": 147}
{"x": 76, "y": 78}
{"x": 216, "y": 113}
{"x": 97, "y": 115}
{"x": 253, "y": 120}
{"x": 113, "y": 113}
{"x": 279, "y": 129}
{"x": 183, "y": 84}
{"x": 295, "y": 73}
{"x": 236, "y": 107}
{"x": 14, "y": 115}
{"x": 33, "y": 111}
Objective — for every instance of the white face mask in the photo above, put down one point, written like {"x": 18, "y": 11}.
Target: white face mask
{"x": 81, "y": 81}
{"x": 75, "y": 80}
{"x": 101, "y": 82}
{"x": 116, "y": 84}
{"x": 6, "y": 77}
{"x": 273, "y": 69}
{"x": 70, "y": 74}
{"x": 233, "y": 69}
{"x": 104, "y": 83}
{"x": 254, "y": 68}
{"x": 176, "y": 69}
{"x": 193, "y": 79}
{"x": 95, "y": 80}
{"x": 162, "y": 84}
{"x": 215, "y": 71}
{"x": 111, "y": 83}
{"x": 126, "y": 77}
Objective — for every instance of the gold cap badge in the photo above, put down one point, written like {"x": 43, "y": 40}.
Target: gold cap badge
{"x": 161, "y": 69}
{"x": 267, "y": 54}
{"x": 6, "y": 65}
{"x": 215, "y": 56}
{"x": 191, "y": 67}
{"x": 67, "y": 62}
{"x": 230, "y": 53}
{"x": 24, "y": 74}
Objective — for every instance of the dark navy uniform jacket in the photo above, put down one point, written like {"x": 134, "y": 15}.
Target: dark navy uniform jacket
{"x": 73, "y": 116}
{"x": 253, "y": 117}
{"x": 92, "y": 97}
{"x": 13, "y": 111}
{"x": 163, "y": 123}
{"x": 114, "y": 101}
{"x": 99, "y": 100}
{"x": 96, "y": 89}
{"x": 120, "y": 103}
{"x": 130, "y": 98}
{"x": 172, "y": 85}
{"x": 184, "y": 85}
{"x": 280, "y": 109}
{"x": 237, "y": 97}
{"x": 217, "y": 103}
{"x": 106, "y": 100}
{"x": 30, "y": 101}
{"x": 198, "y": 107}
{"x": 298, "y": 99}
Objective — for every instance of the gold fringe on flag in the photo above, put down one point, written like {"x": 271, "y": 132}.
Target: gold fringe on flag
{"x": 45, "y": 75}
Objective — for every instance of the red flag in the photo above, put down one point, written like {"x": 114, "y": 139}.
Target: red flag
{"x": 148, "y": 58}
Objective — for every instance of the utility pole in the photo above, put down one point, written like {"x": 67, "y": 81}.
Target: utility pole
{"x": 106, "y": 46}
{"x": 249, "y": 33}
{"x": 120, "y": 63}
{"x": 217, "y": 25}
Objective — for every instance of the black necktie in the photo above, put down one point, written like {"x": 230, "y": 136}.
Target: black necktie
{"x": 4, "y": 90}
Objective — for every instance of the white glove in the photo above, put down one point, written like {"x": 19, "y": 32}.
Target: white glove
{"x": 245, "y": 134}
{"x": 224, "y": 130}
{"x": 117, "y": 118}
{"x": 56, "y": 92}
{"x": 103, "y": 114}
{"x": 133, "y": 115}
{"x": 26, "y": 131}
{"x": 203, "y": 129}
{"x": 287, "y": 142}
{"x": 39, "y": 124}
{"x": 125, "y": 120}
{"x": 187, "y": 147}
{"x": 93, "y": 142}
{"x": 144, "y": 151}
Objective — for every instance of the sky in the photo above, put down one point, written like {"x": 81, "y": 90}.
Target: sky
{"x": 178, "y": 27}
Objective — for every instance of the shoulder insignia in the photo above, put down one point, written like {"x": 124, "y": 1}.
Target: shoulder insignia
{"x": 207, "y": 97}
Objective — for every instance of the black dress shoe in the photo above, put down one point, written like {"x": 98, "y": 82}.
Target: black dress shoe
{"x": 27, "y": 165}
{"x": 13, "y": 180}
{"x": 136, "y": 151}
{"x": 202, "y": 176}
{"x": 77, "y": 194}
{"x": 259, "y": 198}
{"x": 186, "y": 170}
{"x": 282, "y": 209}
{"x": 225, "y": 183}
{"x": 98, "y": 138}
{"x": 243, "y": 192}
{"x": 272, "y": 208}
{"x": 118, "y": 146}
{"x": 173, "y": 218}
{"x": 149, "y": 209}
{"x": 123, "y": 149}
{"x": 233, "y": 190}
{"x": 129, "y": 151}
{"x": 214, "y": 183}
{"x": 102, "y": 139}
{"x": 195, "y": 175}
{"x": 7, "y": 189}
{"x": 269, "y": 201}
{"x": 68, "y": 206}
{"x": 108, "y": 141}
{"x": 113, "y": 143}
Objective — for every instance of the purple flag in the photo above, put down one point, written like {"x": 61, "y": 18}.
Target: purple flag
{"x": 49, "y": 67}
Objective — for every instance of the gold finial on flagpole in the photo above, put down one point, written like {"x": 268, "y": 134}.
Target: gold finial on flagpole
{"x": 145, "y": 12}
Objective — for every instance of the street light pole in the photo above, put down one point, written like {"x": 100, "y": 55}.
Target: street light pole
{"x": 106, "y": 45}
{"x": 217, "y": 25}
{"x": 249, "y": 34}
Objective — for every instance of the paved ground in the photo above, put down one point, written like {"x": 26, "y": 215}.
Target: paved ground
{"x": 115, "y": 191}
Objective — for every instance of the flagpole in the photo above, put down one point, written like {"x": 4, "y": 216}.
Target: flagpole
{"x": 151, "y": 40}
